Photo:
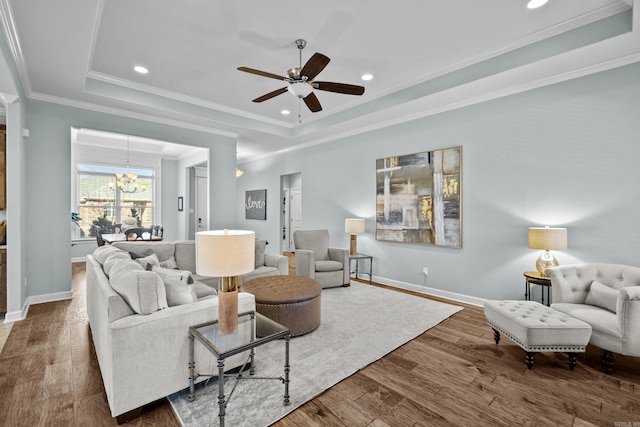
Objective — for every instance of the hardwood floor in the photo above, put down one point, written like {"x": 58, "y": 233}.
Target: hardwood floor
{"x": 453, "y": 374}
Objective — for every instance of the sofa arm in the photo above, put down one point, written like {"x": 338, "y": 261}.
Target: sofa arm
{"x": 342, "y": 255}
{"x": 305, "y": 263}
{"x": 150, "y": 353}
{"x": 279, "y": 261}
{"x": 628, "y": 311}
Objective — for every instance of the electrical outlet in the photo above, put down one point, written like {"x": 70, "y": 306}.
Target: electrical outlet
{"x": 425, "y": 270}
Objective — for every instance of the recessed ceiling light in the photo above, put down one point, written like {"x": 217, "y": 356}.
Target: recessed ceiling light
{"x": 534, "y": 4}
{"x": 140, "y": 69}
{"x": 285, "y": 112}
{"x": 366, "y": 77}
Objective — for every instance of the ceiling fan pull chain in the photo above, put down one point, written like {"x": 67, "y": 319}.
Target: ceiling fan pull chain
{"x": 300, "y": 110}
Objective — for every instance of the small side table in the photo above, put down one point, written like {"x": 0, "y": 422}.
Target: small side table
{"x": 254, "y": 330}
{"x": 535, "y": 278}
{"x": 357, "y": 258}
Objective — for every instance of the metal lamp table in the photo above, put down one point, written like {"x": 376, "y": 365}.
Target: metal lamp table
{"x": 357, "y": 258}
{"x": 250, "y": 326}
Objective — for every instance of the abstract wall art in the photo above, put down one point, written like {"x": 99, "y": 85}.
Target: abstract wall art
{"x": 419, "y": 198}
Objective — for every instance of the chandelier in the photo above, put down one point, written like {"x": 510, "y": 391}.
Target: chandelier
{"x": 126, "y": 181}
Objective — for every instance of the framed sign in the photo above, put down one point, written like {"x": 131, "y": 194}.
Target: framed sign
{"x": 418, "y": 198}
{"x": 255, "y": 204}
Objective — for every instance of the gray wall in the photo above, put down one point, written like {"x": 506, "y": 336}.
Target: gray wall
{"x": 564, "y": 155}
{"x": 48, "y": 179}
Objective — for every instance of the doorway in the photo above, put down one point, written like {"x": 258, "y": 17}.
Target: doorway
{"x": 291, "y": 218}
{"x": 201, "y": 199}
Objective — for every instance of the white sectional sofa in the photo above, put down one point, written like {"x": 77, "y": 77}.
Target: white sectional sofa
{"x": 140, "y": 340}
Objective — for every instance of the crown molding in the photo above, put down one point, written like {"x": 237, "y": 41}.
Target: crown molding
{"x": 129, "y": 114}
{"x": 8, "y": 22}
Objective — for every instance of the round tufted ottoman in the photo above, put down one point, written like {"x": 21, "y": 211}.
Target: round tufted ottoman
{"x": 292, "y": 301}
{"x": 535, "y": 328}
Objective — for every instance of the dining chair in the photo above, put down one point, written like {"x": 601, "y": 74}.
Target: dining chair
{"x": 99, "y": 238}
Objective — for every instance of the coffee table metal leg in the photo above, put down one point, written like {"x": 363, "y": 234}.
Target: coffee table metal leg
{"x": 287, "y": 368}
{"x": 221, "y": 403}
{"x": 192, "y": 368}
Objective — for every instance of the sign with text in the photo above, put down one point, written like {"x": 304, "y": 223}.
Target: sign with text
{"x": 255, "y": 204}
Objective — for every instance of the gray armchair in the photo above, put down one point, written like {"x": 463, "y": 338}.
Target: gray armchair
{"x": 607, "y": 297}
{"x": 315, "y": 259}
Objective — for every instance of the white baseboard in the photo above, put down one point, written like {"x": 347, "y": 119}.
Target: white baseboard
{"x": 14, "y": 316}
{"x": 431, "y": 291}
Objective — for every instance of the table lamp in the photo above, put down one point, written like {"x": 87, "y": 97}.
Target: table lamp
{"x": 353, "y": 226}
{"x": 226, "y": 254}
{"x": 547, "y": 238}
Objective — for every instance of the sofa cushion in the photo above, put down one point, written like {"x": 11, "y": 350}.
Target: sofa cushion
{"x": 261, "y": 245}
{"x": 102, "y": 253}
{"x": 114, "y": 258}
{"x": 178, "y": 286}
{"x": 136, "y": 255}
{"x": 328, "y": 266}
{"x": 143, "y": 290}
{"x": 602, "y": 296}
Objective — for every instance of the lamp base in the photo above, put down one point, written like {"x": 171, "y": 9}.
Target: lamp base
{"x": 228, "y": 305}
{"x": 545, "y": 261}
{"x": 353, "y": 247}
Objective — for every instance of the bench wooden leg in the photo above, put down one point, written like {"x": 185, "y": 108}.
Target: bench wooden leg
{"x": 496, "y": 335}
{"x": 529, "y": 359}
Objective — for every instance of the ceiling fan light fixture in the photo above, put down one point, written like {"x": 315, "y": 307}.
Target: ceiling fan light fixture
{"x": 300, "y": 89}
{"x": 534, "y": 4}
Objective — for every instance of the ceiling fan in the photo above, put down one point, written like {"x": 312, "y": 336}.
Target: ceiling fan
{"x": 301, "y": 83}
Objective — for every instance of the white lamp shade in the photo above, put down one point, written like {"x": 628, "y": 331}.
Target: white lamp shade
{"x": 225, "y": 253}
{"x": 354, "y": 225}
{"x": 547, "y": 238}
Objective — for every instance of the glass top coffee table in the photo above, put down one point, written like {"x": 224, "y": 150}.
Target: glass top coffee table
{"x": 254, "y": 330}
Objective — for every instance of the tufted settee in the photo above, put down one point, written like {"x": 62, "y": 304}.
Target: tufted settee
{"x": 607, "y": 297}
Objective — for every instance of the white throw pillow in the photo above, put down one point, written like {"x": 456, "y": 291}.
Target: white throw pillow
{"x": 115, "y": 258}
{"x": 602, "y": 296}
{"x": 142, "y": 290}
{"x": 178, "y": 286}
{"x": 103, "y": 252}
{"x": 149, "y": 260}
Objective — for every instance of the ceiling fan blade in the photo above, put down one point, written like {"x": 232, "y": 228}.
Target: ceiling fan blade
{"x": 339, "y": 88}
{"x": 261, "y": 73}
{"x": 314, "y": 65}
{"x": 271, "y": 95}
{"x": 312, "y": 102}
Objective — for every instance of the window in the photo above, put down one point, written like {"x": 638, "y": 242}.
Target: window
{"x": 101, "y": 202}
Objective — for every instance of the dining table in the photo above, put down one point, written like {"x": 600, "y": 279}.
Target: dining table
{"x": 121, "y": 237}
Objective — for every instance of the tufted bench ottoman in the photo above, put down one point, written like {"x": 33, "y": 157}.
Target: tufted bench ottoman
{"x": 537, "y": 328}
{"x": 292, "y": 301}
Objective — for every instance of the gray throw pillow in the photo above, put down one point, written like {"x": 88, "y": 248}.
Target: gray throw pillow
{"x": 602, "y": 296}
{"x": 169, "y": 263}
{"x": 150, "y": 259}
{"x": 203, "y": 290}
{"x": 177, "y": 285}
{"x": 142, "y": 290}
{"x": 261, "y": 246}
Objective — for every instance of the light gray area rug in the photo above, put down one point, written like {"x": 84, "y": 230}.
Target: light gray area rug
{"x": 360, "y": 325}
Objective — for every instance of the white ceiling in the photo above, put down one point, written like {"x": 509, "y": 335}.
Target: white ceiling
{"x": 82, "y": 53}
